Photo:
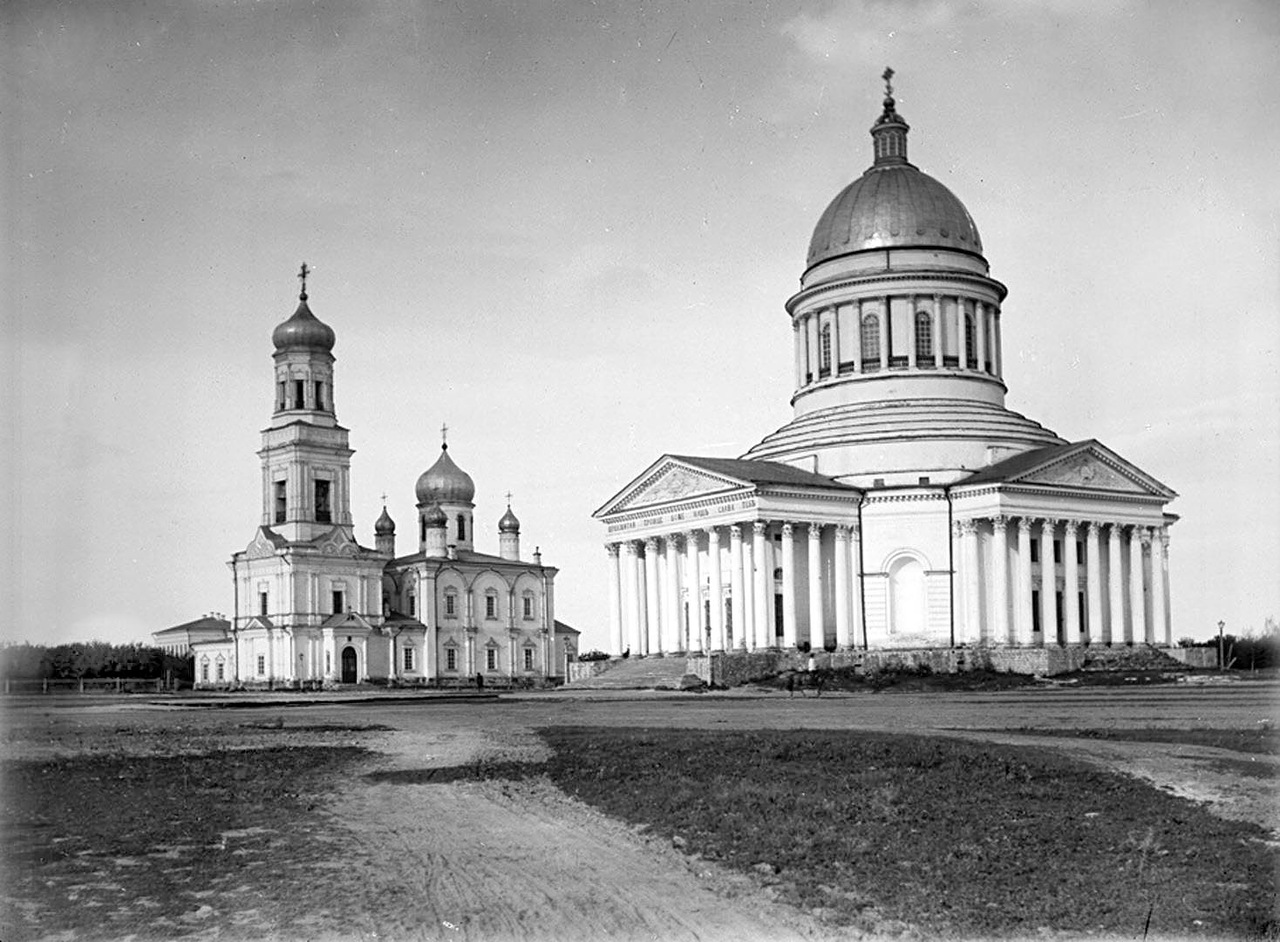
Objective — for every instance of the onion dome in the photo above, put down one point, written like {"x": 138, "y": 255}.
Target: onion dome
{"x": 435, "y": 517}
{"x": 444, "y": 482}
{"x": 893, "y": 204}
{"x": 509, "y": 522}
{"x": 384, "y": 525}
{"x": 303, "y": 331}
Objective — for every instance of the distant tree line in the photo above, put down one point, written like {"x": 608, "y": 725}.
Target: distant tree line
{"x": 1252, "y": 650}
{"x": 90, "y": 659}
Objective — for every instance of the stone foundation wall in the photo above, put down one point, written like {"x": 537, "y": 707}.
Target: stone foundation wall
{"x": 1194, "y": 657}
{"x": 581, "y": 670}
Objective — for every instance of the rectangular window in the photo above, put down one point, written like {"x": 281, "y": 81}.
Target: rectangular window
{"x": 462, "y": 528}
{"x": 319, "y": 395}
{"x": 337, "y": 601}
{"x": 490, "y": 606}
{"x": 220, "y": 672}
{"x": 323, "y": 514}
{"x": 280, "y": 400}
{"x": 450, "y": 605}
{"x": 1035, "y": 610}
{"x": 528, "y": 659}
{"x": 408, "y": 659}
{"x": 413, "y": 606}
{"x": 204, "y": 671}
{"x": 262, "y": 664}
{"x": 299, "y": 394}
{"x": 528, "y": 606}
{"x": 1035, "y": 551}
{"x": 491, "y": 659}
{"x": 1057, "y": 551}
{"x": 451, "y": 659}
{"x": 1079, "y": 552}
{"x": 262, "y": 604}
{"x": 281, "y": 505}
{"x": 328, "y": 663}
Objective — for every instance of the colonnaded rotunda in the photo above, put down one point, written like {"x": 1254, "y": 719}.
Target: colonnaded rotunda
{"x": 904, "y": 506}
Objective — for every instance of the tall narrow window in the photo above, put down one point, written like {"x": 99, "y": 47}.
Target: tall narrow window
{"x": 924, "y": 336}
{"x": 528, "y": 605}
{"x": 491, "y": 604}
{"x": 528, "y": 659}
{"x": 450, "y": 604}
{"x": 824, "y": 349}
{"x": 422, "y": 529}
{"x": 451, "y": 659}
{"x": 299, "y": 394}
{"x": 870, "y": 340}
{"x": 280, "y": 397}
{"x": 408, "y": 659}
{"x": 281, "y": 505}
{"x": 1035, "y": 610}
{"x": 319, "y": 394}
{"x": 491, "y": 659}
{"x": 970, "y": 342}
{"x": 462, "y": 527}
{"x": 262, "y": 664}
{"x": 413, "y": 605}
{"x": 337, "y": 601}
{"x": 262, "y": 604}
{"x": 323, "y": 513}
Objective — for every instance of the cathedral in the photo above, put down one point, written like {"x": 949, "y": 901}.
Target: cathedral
{"x": 904, "y": 506}
{"x": 313, "y": 607}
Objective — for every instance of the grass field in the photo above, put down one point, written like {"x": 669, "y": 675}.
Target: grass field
{"x": 956, "y": 838}
{"x": 1262, "y": 740}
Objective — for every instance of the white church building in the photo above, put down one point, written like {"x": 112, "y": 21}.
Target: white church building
{"x": 904, "y": 506}
{"x": 314, "y": 607}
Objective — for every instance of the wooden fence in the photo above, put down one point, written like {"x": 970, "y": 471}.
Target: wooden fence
{"x": 49, "y": 685}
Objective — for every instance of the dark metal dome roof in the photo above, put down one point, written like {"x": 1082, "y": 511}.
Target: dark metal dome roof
{"x": 384, "y": 525}
{"x": 444, "y": 482}
{"x": 303, "y": 331}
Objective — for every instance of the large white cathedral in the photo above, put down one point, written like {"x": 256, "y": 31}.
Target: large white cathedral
{"x": 904, "y": 506}
{"x": 313, "y": 607}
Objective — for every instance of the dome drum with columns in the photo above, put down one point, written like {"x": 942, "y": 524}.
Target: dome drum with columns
{"x": 313, "y": 607}
{"x": 903, "y": 506}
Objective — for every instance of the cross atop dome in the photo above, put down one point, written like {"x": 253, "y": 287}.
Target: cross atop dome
{"x": 302, "y": 276}
{"x": 890, "y": 130}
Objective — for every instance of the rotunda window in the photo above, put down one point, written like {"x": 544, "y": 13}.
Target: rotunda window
{"x": 924, "y": 335}
{"x": 824, "y": 349}
{"x": 970, "y": 342}
{"x": 870, "y": 339}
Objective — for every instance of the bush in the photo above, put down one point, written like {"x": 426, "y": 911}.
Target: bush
{"x": 593, "y": 656}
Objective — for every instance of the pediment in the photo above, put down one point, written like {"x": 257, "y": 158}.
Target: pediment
{"x": 262, "y": 546}
{"x": 666, "y": 481}
{"x": 1094, "y": 468}
{"x": 337, "y": 543}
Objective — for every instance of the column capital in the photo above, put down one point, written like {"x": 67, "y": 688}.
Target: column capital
{"x": 968, "y": 525}
{"x": 1092, "y": 527}
{"x": 612, "y": 549}
{"x": 787, "y": 529}
{"x": 651, "y": 544}
{"x": 758, "y": 527}
{"x": 1144, "y": 535}
{"x": 735, "y": 531}
{"x": 713, "y": 536}
{"x": 672, "y": 540}
{"x": 855, "y": 531}
{"x": 1162, "y": 534}
{"x": 631, "y": 548}
{"x": 815, "y": 532}
{"x": 1049, "y": 523}
{"x": 1000, "y": 520}
{"x": 1024, "y": 525}
{"x": 1070, "y": 526}
{"x": 842, "y": 533}
{"x": 691, "y": 538}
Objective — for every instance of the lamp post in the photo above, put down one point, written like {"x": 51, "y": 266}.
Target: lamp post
{"x": 1222, "y": 663}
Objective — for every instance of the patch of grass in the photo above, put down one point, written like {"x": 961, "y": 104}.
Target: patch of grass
{"x": 956, "y": 838}
{"x": 1261, "y": 739}
{"x": 161, "y": 846}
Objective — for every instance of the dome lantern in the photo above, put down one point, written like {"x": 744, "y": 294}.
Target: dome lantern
{"x": 890, "y": 130}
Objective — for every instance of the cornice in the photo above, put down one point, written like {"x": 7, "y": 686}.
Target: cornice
{"x": 854, "y": 281}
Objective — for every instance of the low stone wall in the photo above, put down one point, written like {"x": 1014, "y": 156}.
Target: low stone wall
{"x": 1195, "y": 657}
{"x": 581, "y": 670}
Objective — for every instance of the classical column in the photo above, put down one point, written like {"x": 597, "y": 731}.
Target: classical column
{"x": 748, "y": 621}
{"x": 884, "y": 332}
{"x": 857, "y": 628}
{"x": 760, "y": 610}
{"x": 937, "y": 331}
{"x": 391, "y": 655}
{"x": 911, "y": 332}
{"x": 980, "y": 351}
{"x": 653, "y": 605}
{"x": 835, "y": 341}
{"x": 817, "y": 628}
{"x": 716, "y": 590}
{"x": 1071, "y": 581}
{"x": 1115, "y": 581}
{"x": 615, "y": 598}
{"x": 842, "y": 588}
{"x": 1160, "y": 626}
{"x": 962, "y": 336}
{"x": 999, "y": 633}
{"x": 799, "y": 345}
{"x": 736, "y": 639}
{"x": 632, "y": 599}
{"x": 971, "y": 581}
{"x": 996, "y": 348}
{"x": 693, "y": 591}
{"x": 788, "y": 587}
{"x": 1094, "y": 629}
{"x": 815, "y": 361}
{"x": 1138, "y": 540}
{"x": 673, "y": 636}
{"x": 857, "y": 336}
{"x": 1024, "y": 620}
{"x": 1048, "y": 586}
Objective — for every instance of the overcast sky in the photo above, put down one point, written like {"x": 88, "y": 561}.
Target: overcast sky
{"x": 568, "y": 230}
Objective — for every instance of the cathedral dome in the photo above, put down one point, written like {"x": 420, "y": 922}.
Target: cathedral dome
{"x": 303, "y": 331}
{"x": 893, "y": 204}
{"x": 509, "y": 522}
{"x": 384, "y": 525}
{"x": 444, "y": 482}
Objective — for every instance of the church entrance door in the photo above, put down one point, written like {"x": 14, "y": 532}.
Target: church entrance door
{"x": 348, "y": 665}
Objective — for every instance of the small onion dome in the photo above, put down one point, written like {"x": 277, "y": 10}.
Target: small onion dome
{"x": 435, "y": 517}
{"x": 384, "y": 525}
{"x": 509, "y": 522}
{"x": 303, "y": 331}
{"x": 444, "y": 482}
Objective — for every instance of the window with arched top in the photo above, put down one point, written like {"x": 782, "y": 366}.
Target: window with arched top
{"x": 924, "y": 335}
{"x": 527, "y": 604}
{"x": 824, "y": 348}
{"x": 450, "y": 604}
{"x": 970, "y": 342}
{"x": 870, "y": 339}
{"x": 490, "y": 604}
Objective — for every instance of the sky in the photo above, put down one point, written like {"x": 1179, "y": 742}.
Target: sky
{"x": 568, "y": 230}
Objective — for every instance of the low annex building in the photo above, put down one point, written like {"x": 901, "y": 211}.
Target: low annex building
{"x": 904, "y": 506}
{"x": 314, "y": 607}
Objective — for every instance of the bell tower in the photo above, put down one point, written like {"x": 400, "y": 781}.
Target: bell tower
{"x": 306, "y": 460}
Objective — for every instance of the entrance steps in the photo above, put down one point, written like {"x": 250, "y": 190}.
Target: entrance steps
{"x": 636, "y": 673}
